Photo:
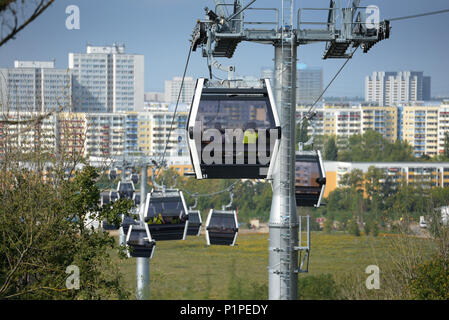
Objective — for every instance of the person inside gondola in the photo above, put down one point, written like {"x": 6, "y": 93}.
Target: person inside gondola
{"x": 158, "y": 219}
{"x": 251, "y": 135}
{"x": 250, "y": 141}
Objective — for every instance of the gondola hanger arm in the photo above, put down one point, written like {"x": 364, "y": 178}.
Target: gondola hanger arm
{"x": 231, "y": 195}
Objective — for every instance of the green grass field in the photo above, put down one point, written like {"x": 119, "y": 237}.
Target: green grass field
{"x": 191, "y": 270}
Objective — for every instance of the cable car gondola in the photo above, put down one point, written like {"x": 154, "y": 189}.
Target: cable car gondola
{"x": 310, "y": 179}
{"x": 221, "y": 227}
{"x": 127, "y": 222}
{"x": 139, "y": 242}
{"x": 135, "y": 178}
{"x": 136, "y": 199}
{"x": 107, "y": 226}
{"x": 233, "y": 132}
{"x": 195, "y": 223}
{"x": 126, "y": 189}
{"x": 112, "y": 174}
{"x": 166, "y": 215}
{"x": 114, "y": 196}
{"x": 104, "y": 198}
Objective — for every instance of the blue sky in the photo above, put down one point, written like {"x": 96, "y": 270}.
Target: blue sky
{"x": 160, "y": 29}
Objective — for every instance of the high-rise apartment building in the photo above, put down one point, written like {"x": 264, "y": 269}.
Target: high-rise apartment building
{"x": 420, "y": 129}
{"x": 173, "y": 86}
{"x": 443, "y": 125}
{"x": 154, "y": 130}
{"x": 344, "y": 121}
{"x": 35, "y": 86}
{"x": 107, "y": 79}
{"x": 309, "y": 85}
{"x": 383, "y": 120}
{"x": 392, "y": 88}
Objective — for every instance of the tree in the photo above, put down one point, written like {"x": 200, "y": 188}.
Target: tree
{"x": 328, "y": 225}
{"x": 373, "y": 147}
{"x": 432, "y": 280}
{"x": 44, "y": 228}
{"x": 302, "y": 135}
{"x": 353, "y": 228}
{"x": 15, "y": 15}
{"x": 331, "y": 149}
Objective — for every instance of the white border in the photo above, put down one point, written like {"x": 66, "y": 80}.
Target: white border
{"x": 148, "y": 237}
{"x": 277, "y": 123}
{"x": 181, "y": 195}
{"x": 119, "y": 184}
{"x": 237, "y": 226}
{"x": 324, "y": 176}
{"x": 126, "y": 241}
{"x": 233, "y": 212}
{"x": 193, "y": 114}
{"x": 207, "y": 225}
{"x": 186, "y": 212}
{"x": 199, "y": 217}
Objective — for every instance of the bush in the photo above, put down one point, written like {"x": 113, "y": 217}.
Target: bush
{"x": 367, "y": 228}
{"x": 432, "y": 280}
{"x": 327, "y": 226}
{"x": 322, "y": 287}
{"x": 353, "y": 228}
{"x": 374, "y": 229}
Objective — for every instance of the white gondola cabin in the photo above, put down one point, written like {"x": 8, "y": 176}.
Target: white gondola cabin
{"x": 135, "y": 178}
{"x": 166, "y": 215}
{"x": 233, "y": 132}
{"x": 104, "y": 198}
{"x": 114, "y": 196}
{"x": 195, "y": 223}
{"x": 127, "y": 222}
{"x": 221, "y": 227}
{"x": 136, "y": 199}
{"x": 139, "y": 242}
{"x": 113, "y": 174}
{"x": 126, "y": 189}
{"x": 310, "y": 179}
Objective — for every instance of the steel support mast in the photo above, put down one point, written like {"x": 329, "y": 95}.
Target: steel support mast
{"x": 344, "y": 29}
{"x": 283, "y": 224}
{"x": 143, "y": 264}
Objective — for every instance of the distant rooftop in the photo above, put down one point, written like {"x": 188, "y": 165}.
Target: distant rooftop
{"x": 34, "y": 64}
{"x": 115, "y": 48}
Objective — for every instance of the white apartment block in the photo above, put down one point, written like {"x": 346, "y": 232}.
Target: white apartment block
{"x": 443, "y": 125}
{"x": 154, "y": 96}
{"x": 21, "y": 136}
{"x": 420, "y": 129}
{"x": 107, "y": 79}
{"x": 341, "y": 122}
{"x": 173, "y": 86}
{"x": 35, "y": 86}
{"x": 391, "y": 88}
{"x": 154, "y": 130}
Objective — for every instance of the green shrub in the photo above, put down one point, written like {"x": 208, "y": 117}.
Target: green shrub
{"x": 367, "y": 227}
{"x": 321, "y": 287}
{"x": 432, "y": 280}
{"x": 353, "y": 228}
{"x": 327, "y": 226}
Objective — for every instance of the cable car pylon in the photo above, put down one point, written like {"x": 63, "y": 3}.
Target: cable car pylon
{"x": 219, "y": 36}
